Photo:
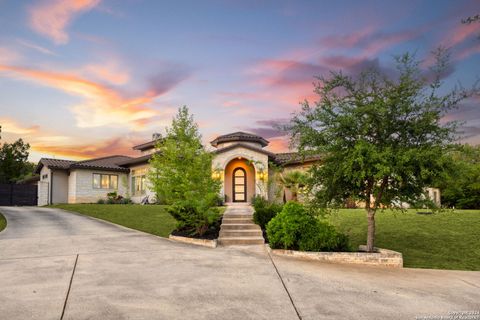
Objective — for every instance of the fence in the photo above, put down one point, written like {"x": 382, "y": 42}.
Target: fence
{"x": 18, "y": 195}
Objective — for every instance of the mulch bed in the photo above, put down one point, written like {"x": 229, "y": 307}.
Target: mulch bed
{"x": 211, "y": 233}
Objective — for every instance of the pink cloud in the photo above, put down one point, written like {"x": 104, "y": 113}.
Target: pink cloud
{"x": 117, "y": 145}
{"x": 52, "y": 18}
{"x": 11, "y": 126}
{"x": 103, "y": 105}
{"x": 369, "y": 41}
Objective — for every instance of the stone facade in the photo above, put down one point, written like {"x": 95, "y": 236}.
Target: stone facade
{"x": 382, "y": 257}
{"x": 82, "y": 191}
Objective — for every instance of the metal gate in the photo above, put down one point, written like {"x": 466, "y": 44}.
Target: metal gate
{"x": 18, "y": 195}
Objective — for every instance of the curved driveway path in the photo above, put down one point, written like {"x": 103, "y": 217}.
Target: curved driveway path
{"x": 55, "y": 264}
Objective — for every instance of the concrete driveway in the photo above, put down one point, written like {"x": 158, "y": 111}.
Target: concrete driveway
{"x": 58, "y": 265}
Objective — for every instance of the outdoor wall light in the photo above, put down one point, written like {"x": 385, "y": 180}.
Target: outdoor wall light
{"x": 216, "y": 175}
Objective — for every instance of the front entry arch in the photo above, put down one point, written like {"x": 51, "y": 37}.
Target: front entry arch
{"x": 243, "y": 171}
{"x": 239, "y": 185}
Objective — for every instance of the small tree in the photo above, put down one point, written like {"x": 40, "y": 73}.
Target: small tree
{"x": 293, "y": 180}
{"x": 382, "y": 139}
{"x": 181, "y": 174}
{"x": 14, "y": 163}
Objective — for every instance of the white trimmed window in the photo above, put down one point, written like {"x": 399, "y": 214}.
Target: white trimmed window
{"x": 105, "y": 181}
{"x": 139, "y": 181}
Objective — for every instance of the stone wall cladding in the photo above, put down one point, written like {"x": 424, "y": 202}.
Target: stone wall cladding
{"x": 43, "y": 193}
{"x": 84, "y": 191}
{"x": 382, "y": 257}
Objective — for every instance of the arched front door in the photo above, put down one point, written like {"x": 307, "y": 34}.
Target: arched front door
{"x": 239, "y": 185}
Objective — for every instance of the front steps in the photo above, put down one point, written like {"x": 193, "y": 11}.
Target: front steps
{"x": 238, "y": 228}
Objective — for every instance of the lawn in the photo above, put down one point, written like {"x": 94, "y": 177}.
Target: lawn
{"x": 3, "y": 222}
{"x": 153, "y": 219}
{"x": 444, "y": 240}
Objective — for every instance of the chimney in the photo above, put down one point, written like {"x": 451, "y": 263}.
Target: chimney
{"x": 156, "y": 136}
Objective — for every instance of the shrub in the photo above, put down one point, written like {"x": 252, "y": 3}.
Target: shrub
{"x": 295, "y": 228}
{"x": 264, "y": 211}
{"x": 114, "y": 198}
{"x": 195, "y": 217}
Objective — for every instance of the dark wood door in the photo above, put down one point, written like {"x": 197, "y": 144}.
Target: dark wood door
{"x": 239, "y": 185}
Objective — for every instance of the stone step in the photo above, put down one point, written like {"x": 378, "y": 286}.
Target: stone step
{"x": 226, "y": 241}
{"x": 229, "y": 215}
{"x": 241, "y": 233}
{"x": 239, "y": 226}
{"x": 236, "y": 220}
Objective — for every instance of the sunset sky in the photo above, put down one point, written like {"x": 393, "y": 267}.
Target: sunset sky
{"x": 88, "y": 78}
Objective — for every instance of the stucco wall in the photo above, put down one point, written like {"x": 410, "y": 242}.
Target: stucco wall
{"x": 59, "y": 185}
{"x": 226, "y": 144}
{"x": 84, "y": 191}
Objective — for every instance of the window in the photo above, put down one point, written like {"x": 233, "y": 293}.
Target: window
{"x": 105, "y": 181}
{"x": 139, "y": 182}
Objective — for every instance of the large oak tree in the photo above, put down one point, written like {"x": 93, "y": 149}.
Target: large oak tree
{"x": 382, "y": 137}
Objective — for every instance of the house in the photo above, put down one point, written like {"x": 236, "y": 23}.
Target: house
{"x": 241, "y": 163}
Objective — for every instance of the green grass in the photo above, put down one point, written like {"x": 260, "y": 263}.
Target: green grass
{"x": 153, "y": 219}
{"x": 444, "y": 240}
{"x": 3, "y": 222}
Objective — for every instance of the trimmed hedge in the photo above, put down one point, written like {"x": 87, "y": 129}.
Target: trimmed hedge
{"x": 264, "y": 211}
{"x": 296, "y": 229}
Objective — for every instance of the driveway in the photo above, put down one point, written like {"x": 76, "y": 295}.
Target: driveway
{"x": 59, "y": 265}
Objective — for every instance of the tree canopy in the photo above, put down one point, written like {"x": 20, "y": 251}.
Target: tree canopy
{"x": 460, "y": 184}
{"x": 381, "y": 137}
{"x": 182, "y": 168}
{"x": 14, "y": 163}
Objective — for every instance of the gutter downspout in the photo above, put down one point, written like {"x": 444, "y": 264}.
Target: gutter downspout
{"x": 51, "y": 186}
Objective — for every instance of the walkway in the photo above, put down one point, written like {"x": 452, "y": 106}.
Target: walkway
{"x": 238, "y": 227}
{"x": 54, "y": 263}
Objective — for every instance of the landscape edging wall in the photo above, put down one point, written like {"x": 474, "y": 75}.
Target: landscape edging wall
{"x": 198, "y": 242}
{"x": 382, "y": 257}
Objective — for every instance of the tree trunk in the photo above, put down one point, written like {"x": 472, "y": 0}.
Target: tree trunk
{"x": 294, "y": 196}
{"x": 371, "y": 230}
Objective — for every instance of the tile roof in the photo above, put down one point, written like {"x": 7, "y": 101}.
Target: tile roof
{"x": 239, "y": 137}
{"x": 146, "y": 145}
{"x": 138, "y": 160}
{"x": 287, "y": 158}
{"x": 53, "y": 164}
{"x": 110, "y": 163}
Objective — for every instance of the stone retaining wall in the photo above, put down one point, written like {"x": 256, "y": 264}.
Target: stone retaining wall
{"x": 382, "y": 257}
{"x": 198, "y": 242}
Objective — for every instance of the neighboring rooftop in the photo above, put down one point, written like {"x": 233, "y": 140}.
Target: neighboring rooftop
{"x": 287, "y": 158}
{"x": 239, "y": 136}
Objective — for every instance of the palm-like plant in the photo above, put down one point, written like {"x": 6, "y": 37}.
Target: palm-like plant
{"x": 293, "y": 181}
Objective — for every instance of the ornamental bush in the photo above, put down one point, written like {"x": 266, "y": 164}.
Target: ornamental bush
{"x": 264, "y": 211}
{"x": 195, "y": 217}
{"x": 295, "y": 228}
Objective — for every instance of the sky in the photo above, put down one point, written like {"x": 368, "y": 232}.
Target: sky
{"x": 90, "y": 78}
